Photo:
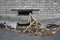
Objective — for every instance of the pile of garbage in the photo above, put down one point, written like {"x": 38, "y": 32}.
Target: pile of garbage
{"x": 34, "y": 28}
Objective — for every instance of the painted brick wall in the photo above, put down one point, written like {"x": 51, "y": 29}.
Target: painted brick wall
{"x": 48, "y": 8}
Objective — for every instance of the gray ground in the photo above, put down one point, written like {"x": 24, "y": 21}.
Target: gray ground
{"x": 8, "y": 35}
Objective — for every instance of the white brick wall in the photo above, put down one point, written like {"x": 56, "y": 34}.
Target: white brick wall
{"x": 48, "y": 8}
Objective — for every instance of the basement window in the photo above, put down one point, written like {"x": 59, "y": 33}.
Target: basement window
{"x": 24, "y": 12}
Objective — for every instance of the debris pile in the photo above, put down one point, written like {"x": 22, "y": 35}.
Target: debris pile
{"x": 35, "y": 27}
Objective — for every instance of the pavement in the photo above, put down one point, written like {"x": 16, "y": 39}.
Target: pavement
{"x": 9, "y": 35}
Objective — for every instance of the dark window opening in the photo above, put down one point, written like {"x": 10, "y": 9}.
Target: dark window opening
{"x": 24, "y": 12}
{"x": 18, "y": 24}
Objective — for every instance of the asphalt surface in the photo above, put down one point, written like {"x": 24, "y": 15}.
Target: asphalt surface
{"x": 8, "y": 35}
